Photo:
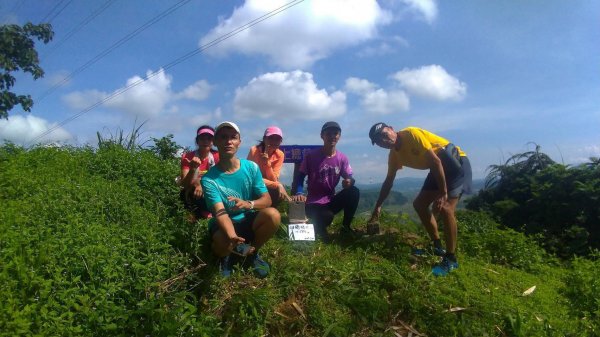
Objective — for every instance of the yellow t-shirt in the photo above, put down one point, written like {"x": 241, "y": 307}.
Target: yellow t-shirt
{"x": 414, "y": 143}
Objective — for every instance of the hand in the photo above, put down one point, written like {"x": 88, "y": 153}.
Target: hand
{"x": 375, "y": 215}
{"x": 264, "y": 156}
{"x": 198, "y": 192}
{"x": 347, "y": 183}
{"x": 299, "y": 198}
{"x": 235, "y": 240}
{"x": 239, "y": 204}
{"x": 283, "y": 193}
{"x": 194, "y": 163}
{"x": 440, "y": 201}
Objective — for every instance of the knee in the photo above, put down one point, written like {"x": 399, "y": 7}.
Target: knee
{"x": 273, "y": 215}
{"x": 417, "y": 205}
{"x": 447, "y": 210}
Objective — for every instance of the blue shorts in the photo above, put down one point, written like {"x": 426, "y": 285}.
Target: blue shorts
{"x": 459, "y": 178}
{"x": 242, "y": 228}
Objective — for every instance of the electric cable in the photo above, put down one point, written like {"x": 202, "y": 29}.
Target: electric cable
{"x": 111, "y": 48}
{"x": 59, "y": 11}
{"x": 77, "y": 28}
{"x": 170, "y": 65}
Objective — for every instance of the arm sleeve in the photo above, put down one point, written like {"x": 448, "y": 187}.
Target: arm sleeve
{"x": 271, "y": 174}
{"x": 211, "y": 192}
{"x": 298, "y": 182}
{"x": 346, "y": 168}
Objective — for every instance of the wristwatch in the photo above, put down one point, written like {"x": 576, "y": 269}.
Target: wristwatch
{"x": 251, "y": 204}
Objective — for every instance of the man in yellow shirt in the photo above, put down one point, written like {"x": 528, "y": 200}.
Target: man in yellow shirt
{"x": 449, "y": 177}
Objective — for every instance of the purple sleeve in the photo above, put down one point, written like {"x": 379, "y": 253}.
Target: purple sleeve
{"x": 346, "y": 168}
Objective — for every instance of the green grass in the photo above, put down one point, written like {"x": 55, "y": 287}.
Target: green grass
{"x": 94, "y": 242}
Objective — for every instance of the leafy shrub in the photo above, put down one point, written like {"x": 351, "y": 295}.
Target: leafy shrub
{"x": 482, "y": 237}
{"x": 557, "y": 203}
{"x": 83, "y": 249}
{"x": 582, "y": 287}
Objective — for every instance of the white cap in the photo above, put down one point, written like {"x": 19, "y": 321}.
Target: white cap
{"x": 227, "y": 124}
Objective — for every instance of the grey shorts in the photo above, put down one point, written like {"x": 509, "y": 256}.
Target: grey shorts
{"x": 459, "y": 178}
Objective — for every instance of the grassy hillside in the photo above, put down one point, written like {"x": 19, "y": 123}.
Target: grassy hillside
{"x": 94, "y": 242}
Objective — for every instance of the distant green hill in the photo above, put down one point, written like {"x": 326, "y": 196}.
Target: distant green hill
{"x": 394, "y": 202}
{"x": 405, "y": 184}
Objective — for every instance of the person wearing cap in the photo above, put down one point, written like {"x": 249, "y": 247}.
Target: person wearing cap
{"x": 270, "y": 158}
{"x": 324, "y": 167}
{"x": 449, "y": 177}
{"x": 194, "y": 165}
{"x": 243, "y": 220}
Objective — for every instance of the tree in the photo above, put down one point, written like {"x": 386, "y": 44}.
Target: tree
{"x": 165, "y": 148}
{"x": 17, "y": 53}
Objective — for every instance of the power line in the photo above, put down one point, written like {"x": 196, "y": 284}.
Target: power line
{"x": 170, "y": 65}
{"x": 112, "y": 47}
{"x": 77, "y": 28}
{"x": 51, "y": 15}
{"x": 60, "y": 11}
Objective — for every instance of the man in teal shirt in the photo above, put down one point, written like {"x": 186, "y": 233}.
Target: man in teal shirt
{"x": 243, "y": 219}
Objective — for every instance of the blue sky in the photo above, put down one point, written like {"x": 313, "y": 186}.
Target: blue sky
{"x": 490, "y": 76}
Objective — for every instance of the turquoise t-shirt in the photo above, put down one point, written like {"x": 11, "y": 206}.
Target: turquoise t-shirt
{"x": 246, "y": 183}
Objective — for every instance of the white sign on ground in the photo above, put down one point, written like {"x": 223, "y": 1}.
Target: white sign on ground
{"x": 301, "y": 232}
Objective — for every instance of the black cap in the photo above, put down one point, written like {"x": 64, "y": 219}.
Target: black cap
{"x": 376, "y": 130}
{"x": 330, "y": 125}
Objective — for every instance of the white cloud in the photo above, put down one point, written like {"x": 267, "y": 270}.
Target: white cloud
{"x": 80, "y": 100}
{"x": 431, "y": 82}
{"x": 302, "y": 34}
{"x": 382, "y": 102}
{"x": 146, "y": 99}
{"x": 24, "y": 129}
{"x": 287, "y": 95}
{"x": 426, "y": 8}
{"x": 198, "y": 91}
{"x": 376, "y": 100}
{"x": 359, "y": 86}
{"x": 142, "y": 97}
{"x": 198, "y": 120}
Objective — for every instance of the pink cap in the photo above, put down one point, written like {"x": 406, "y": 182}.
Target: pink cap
{"x": 205, "y": 130}
{"x": 273, "y": 130}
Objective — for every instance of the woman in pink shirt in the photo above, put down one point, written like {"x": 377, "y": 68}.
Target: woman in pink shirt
{"x": 193, "y": 166}
{"x": 270, "y": 158}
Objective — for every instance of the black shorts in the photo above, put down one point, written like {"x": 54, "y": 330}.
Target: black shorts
{"x": 242, "y": 229}
{"x": 458, "y": 176}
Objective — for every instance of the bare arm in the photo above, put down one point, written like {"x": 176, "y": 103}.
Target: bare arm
{"x": 226, "y": 225}
{"x": 188, "y": 172}
{"x": 263, "y": 202}
{"x": 386, "y": 187}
